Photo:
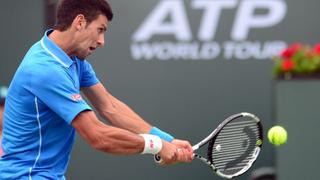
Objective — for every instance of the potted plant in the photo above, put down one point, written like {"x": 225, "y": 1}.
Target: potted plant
{"x": 298, "y": 61}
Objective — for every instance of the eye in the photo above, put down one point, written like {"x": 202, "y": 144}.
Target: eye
{"x": 100, "y": 30}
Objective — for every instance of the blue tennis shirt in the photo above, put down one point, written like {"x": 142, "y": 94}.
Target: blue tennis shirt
{"x": 43, "y": 99}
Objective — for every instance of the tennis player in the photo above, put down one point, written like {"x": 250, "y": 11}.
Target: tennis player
{"x": 44, "y": 107}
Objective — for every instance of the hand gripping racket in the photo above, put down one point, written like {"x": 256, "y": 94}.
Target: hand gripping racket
{"x": 233, "y": 146}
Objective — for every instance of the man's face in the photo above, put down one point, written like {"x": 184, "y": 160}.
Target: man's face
{"x": 91, "y": 37}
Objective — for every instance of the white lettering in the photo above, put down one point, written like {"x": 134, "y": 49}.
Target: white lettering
{"x": 156, "y": 22}
{"x": 246, "y": 19}
{"x": 169, "y": 18}
{"x": 247, "y": 49}
{"x": 206, "y": 51}
{"x": 210, "y": 50}
{"x": 211, "y": 15}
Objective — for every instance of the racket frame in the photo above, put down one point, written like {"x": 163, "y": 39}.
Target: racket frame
{"x": 215, "y": 132}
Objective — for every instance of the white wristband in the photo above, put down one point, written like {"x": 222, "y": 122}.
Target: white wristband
{"x": 152, "y": 144}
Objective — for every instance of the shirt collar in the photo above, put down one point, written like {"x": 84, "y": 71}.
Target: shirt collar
{"x": 54, "y": 50}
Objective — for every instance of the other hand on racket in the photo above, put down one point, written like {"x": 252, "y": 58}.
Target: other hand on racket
{"x": 175, "y": 152}
{"x": 185, "y": 148}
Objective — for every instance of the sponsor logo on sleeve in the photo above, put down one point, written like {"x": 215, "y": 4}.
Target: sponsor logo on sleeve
{"x": 76, "y": 97}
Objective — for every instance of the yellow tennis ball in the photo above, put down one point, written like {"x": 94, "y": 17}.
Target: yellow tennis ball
{"x": 277, "y": 135}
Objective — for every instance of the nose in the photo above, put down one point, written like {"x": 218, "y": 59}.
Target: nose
{"x": 101, "y": 40}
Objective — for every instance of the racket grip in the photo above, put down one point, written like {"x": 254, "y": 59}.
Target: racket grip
{"x": 158, "y": 159}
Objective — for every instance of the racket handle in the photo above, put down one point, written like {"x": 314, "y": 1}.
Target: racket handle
{"x": 157, "y": 159}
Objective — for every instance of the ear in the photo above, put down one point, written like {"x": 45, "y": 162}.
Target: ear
{"x": 79, "y": 22}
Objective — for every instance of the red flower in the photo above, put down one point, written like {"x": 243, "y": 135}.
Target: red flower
{"x": 291, "y": 50}
{"x": 316, "y": 48}
{"x": 287, "y": 64}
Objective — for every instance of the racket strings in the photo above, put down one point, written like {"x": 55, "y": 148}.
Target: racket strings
{"x": 234, "y": 147}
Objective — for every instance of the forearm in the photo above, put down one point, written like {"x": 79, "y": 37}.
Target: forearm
{"x": 117, "y": 112}
{"x": 124, "y": 117}
{"x": 107, "y": 138}
{"x": 118, "y": 141}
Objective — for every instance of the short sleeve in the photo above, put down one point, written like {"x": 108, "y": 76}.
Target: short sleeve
{"x": 88, "y": 76}
{"x": 57, "y": 91}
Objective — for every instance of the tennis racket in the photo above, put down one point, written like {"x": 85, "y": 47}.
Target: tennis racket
{"x": 233, "y": 146}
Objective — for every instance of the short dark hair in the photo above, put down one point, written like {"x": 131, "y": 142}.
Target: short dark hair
{"x": 67, "y": 10}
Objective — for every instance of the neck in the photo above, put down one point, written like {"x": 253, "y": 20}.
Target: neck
{"x": 64, "y": 39}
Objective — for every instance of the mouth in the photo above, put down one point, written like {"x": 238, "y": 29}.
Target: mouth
{"x": 92, "y": 48}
